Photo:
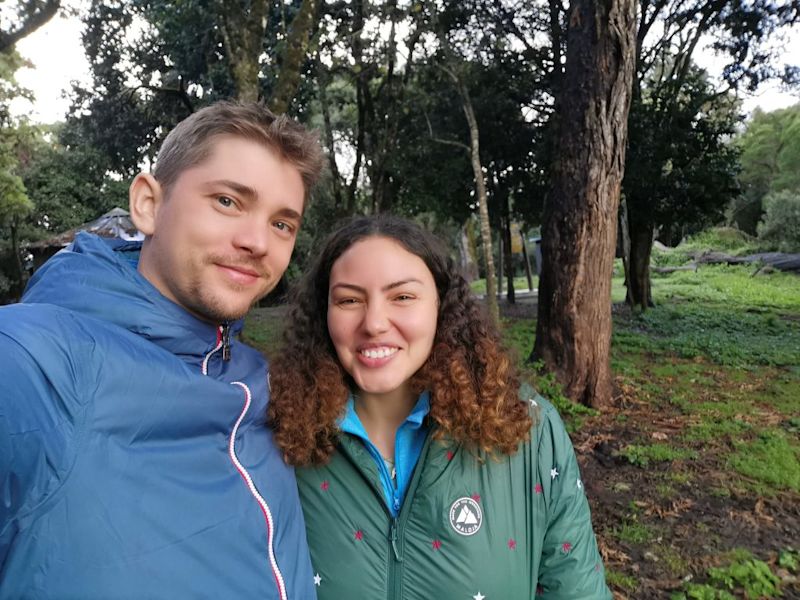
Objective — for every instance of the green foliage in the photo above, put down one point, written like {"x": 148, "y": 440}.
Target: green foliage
{"x": 679, "y": 169}
{"x": 771, "y": 460}
{"x": 643, "y": 455}
{"x": 753, "y": 576}
{"x": 633, "y": 532}
{"x": 621, "y": 580}
{"x": 746, "y": 576}
{"x": 780, "y": 227}
{"x": 789, "y": 559}
{"x": 720, "y": 239}
{"x": 770, "y": 159}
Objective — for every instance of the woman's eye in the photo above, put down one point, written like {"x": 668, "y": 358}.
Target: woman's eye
{"x": 225, "y": 201}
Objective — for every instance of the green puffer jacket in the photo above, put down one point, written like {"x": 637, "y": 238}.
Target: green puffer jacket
{"x": 471, "y": 526}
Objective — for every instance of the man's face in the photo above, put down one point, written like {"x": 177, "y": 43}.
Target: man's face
{"x": 224, "y": 233}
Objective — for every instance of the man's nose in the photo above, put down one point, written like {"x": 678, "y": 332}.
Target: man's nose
{"x": 252, "y": 237}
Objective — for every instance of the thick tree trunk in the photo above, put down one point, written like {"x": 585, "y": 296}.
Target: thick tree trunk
{"x": 573, "y": 330}
{"x": 243, "y": 36}
{"x": 639, "y": 293}
{"x": 294, "y": 56}
{"x": 336, "y": 178}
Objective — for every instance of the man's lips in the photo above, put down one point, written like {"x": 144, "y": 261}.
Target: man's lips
{"x": 240, "y": 274}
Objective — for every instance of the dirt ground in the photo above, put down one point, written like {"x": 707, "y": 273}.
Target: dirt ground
{"x": 668, "y": 523}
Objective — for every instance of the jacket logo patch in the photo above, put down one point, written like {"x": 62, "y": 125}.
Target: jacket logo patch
{"x": 466, "y": 516}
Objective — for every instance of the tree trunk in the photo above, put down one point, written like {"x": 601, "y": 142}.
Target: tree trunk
{"x": 243, "y": 36}
{"x": 527, "y": 259}
{"x": 639, "y": 293}
{"x": 500, "y": 265}
{"x": 573, "y": 330}
{"x": 336, "y": 178}
{"x": 294, "y": 56}
{"x": 507, "y": 252}
{"x": 624, "y": 241}
{"x": 483, "y": 204}
{"x": 21, "y": 278}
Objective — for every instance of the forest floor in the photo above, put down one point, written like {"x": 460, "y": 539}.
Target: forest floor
{"x": 693, "y": 473}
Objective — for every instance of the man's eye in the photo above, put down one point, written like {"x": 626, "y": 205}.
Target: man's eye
{"x": 284, "y": 226}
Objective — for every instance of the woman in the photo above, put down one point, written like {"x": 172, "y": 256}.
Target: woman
{"x": 427, "y": 470}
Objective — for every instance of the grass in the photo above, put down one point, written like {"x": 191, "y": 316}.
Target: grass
{"x": 770, "y": 461}
{"x": 642, "y": 456}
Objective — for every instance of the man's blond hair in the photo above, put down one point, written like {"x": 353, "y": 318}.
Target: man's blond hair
{"x": 192, "y": 140}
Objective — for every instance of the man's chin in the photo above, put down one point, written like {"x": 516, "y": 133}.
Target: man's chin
{"x": 218, "y": 311}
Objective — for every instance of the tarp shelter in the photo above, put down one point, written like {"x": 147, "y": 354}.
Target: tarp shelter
{"x": 116, "y": 223}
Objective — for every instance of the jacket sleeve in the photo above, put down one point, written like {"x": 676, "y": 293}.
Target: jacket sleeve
{"x": 37, "y": 446}
{"x": 570, "y": 566}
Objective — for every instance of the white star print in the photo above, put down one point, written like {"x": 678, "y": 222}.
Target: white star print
{"x": 553, "y": 473}
{"x": 317, "y": 580}
{"x": 533, "y": 402}
{"x": 580, "y": 484}
{"x": 478, "y": 596}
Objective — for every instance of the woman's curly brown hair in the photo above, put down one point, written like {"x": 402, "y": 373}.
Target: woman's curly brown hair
{"x": 473, "y": 383}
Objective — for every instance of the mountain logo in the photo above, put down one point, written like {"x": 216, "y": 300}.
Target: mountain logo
{"x": 466, "y": 516}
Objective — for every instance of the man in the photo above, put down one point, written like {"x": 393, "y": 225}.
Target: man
{"x": 134, "y": 459}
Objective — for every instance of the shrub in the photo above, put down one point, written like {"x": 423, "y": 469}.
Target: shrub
{"x": 780, "y": 227}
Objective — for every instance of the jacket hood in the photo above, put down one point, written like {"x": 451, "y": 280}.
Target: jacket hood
{"x": 97, "y": 277}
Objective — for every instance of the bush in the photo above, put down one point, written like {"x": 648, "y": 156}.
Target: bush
{"x": 780, "y": 227}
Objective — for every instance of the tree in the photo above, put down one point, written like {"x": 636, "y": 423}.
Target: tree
{"x": 680, "y": 170}
{"x": 770, "y": 159}
{"x": 14, "y": 202}
{"x": 573, "y": 330}
{"x": 152, "y": 65}
{"x": 668, "y": 86}
{"x": 27, "y": 16}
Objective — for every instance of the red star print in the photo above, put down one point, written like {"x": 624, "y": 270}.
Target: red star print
{"x": 436, "y": 544}
{"x": 538, "y": 488}
{"x": 596, "y": 567}
{"x": 566, "y": 547}
{"x": 324, "y": 486}
{"x": 512, "y": 544}
{"x": 359, "y": 535}
{"x": 450, "y": 455}
{"x": 476, "y": 497}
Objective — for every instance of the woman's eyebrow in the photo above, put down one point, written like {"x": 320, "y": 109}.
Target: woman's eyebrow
{"x": 387, "y": 287}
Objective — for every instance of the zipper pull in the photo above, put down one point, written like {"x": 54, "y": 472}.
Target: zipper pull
{"x": 226, "y": 342}
{"x": 393, "y": 539}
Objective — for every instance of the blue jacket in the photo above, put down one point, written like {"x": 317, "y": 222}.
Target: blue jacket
{"x": 134, "y": 460}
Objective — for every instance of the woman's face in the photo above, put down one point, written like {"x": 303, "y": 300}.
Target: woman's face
{"x": 382, "y": 314}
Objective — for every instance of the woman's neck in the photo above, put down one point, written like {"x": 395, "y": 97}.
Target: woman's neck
{"x": 382, "y": 415}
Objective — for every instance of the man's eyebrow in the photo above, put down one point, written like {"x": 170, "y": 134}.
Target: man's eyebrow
{"x": 386, "y": 288}
{"x": 239, "y": 188}
{"x": 289, "y": 213}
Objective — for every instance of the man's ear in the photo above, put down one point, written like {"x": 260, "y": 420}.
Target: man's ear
{"x": 144, "y": 201}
